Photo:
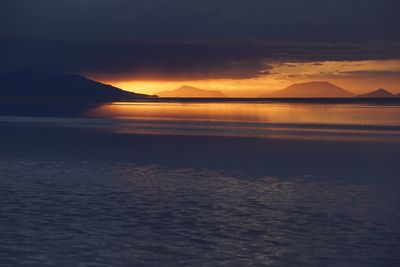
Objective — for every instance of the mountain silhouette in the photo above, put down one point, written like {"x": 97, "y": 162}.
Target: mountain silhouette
{"x": 189, "y": 91}
{"x": 60, "y": 86}
{"x": 310, "y": 90}
{"x": 380, "y": 93}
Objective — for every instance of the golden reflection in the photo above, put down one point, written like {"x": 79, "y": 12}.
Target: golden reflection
{"x": 328, "y": 122}
{"x": 253, "y": 112}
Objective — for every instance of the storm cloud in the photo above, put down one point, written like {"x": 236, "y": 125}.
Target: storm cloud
{"x": 294, "y": 20}
{"x": 192, "y": 39}
{"x": 177, "y": 60}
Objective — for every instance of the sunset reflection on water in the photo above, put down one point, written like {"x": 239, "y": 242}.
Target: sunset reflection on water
{"x": 264, "y": 120}
{"x": 360, "y": 114}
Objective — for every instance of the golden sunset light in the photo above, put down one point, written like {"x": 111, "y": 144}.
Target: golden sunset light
{"x": 356, "y": 76}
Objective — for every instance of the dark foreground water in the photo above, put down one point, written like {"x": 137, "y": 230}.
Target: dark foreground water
{"x": 107, "y": 189}
{"x": 66, "y": 214}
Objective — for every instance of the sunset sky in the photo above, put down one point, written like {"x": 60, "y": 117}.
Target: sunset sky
{"x": 356, "y": 76}
{"x": 243, "y": 48}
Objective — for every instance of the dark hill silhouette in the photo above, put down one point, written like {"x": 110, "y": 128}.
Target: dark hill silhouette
{"x": 60, "y": 86}
{"x": 310, "y": 90}
{"x": 189, "y": 91}
{"x": 380, "y": 93}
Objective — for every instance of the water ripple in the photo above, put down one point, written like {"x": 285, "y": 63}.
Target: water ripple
{"x": 98, "y": 214}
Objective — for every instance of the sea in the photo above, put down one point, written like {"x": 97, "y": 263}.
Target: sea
{"x": 200, "y": 183}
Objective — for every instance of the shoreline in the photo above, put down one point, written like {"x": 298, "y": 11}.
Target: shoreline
{"x": 350, "y": 100}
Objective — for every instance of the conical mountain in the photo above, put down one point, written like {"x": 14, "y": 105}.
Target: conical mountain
{"x": 310, "y": 90}
{"x": 380, "y": 93}
{"x": 191, "y": 92}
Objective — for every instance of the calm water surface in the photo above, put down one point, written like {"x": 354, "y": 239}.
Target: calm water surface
{"x": 278, "y": 120}
{"x": 357, "y": 122}
{"x": 63, "y": 206}
{"x": 295, "y": 113}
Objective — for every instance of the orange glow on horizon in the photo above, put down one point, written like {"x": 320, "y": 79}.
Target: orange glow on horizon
{"x": 354, "y": 76}
{"x": 244, "y": 87}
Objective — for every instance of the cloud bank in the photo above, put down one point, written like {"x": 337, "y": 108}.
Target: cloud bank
{"x": 292, "y": 20}
{"x": 189, "y": 60}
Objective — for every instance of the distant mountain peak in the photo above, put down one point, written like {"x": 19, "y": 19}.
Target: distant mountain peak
{"x": 315, "y": 82}
{"x": 191, "y": 92}
{"x": 313, "y": 89}
{"x": 188, "y": 87}
{"x": 379, "y": 93}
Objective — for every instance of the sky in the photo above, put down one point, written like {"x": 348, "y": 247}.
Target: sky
{"x": 241, "y": 47}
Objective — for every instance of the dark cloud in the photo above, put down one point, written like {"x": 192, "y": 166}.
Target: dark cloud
{"x": 177, "y": 60}
{"x": 381, "y": 74}
{"x": 118, "y": 60}
{"x": 371, "y": 73}
{"x": 309, "y": 30}
{"x": 295, "y": 20}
